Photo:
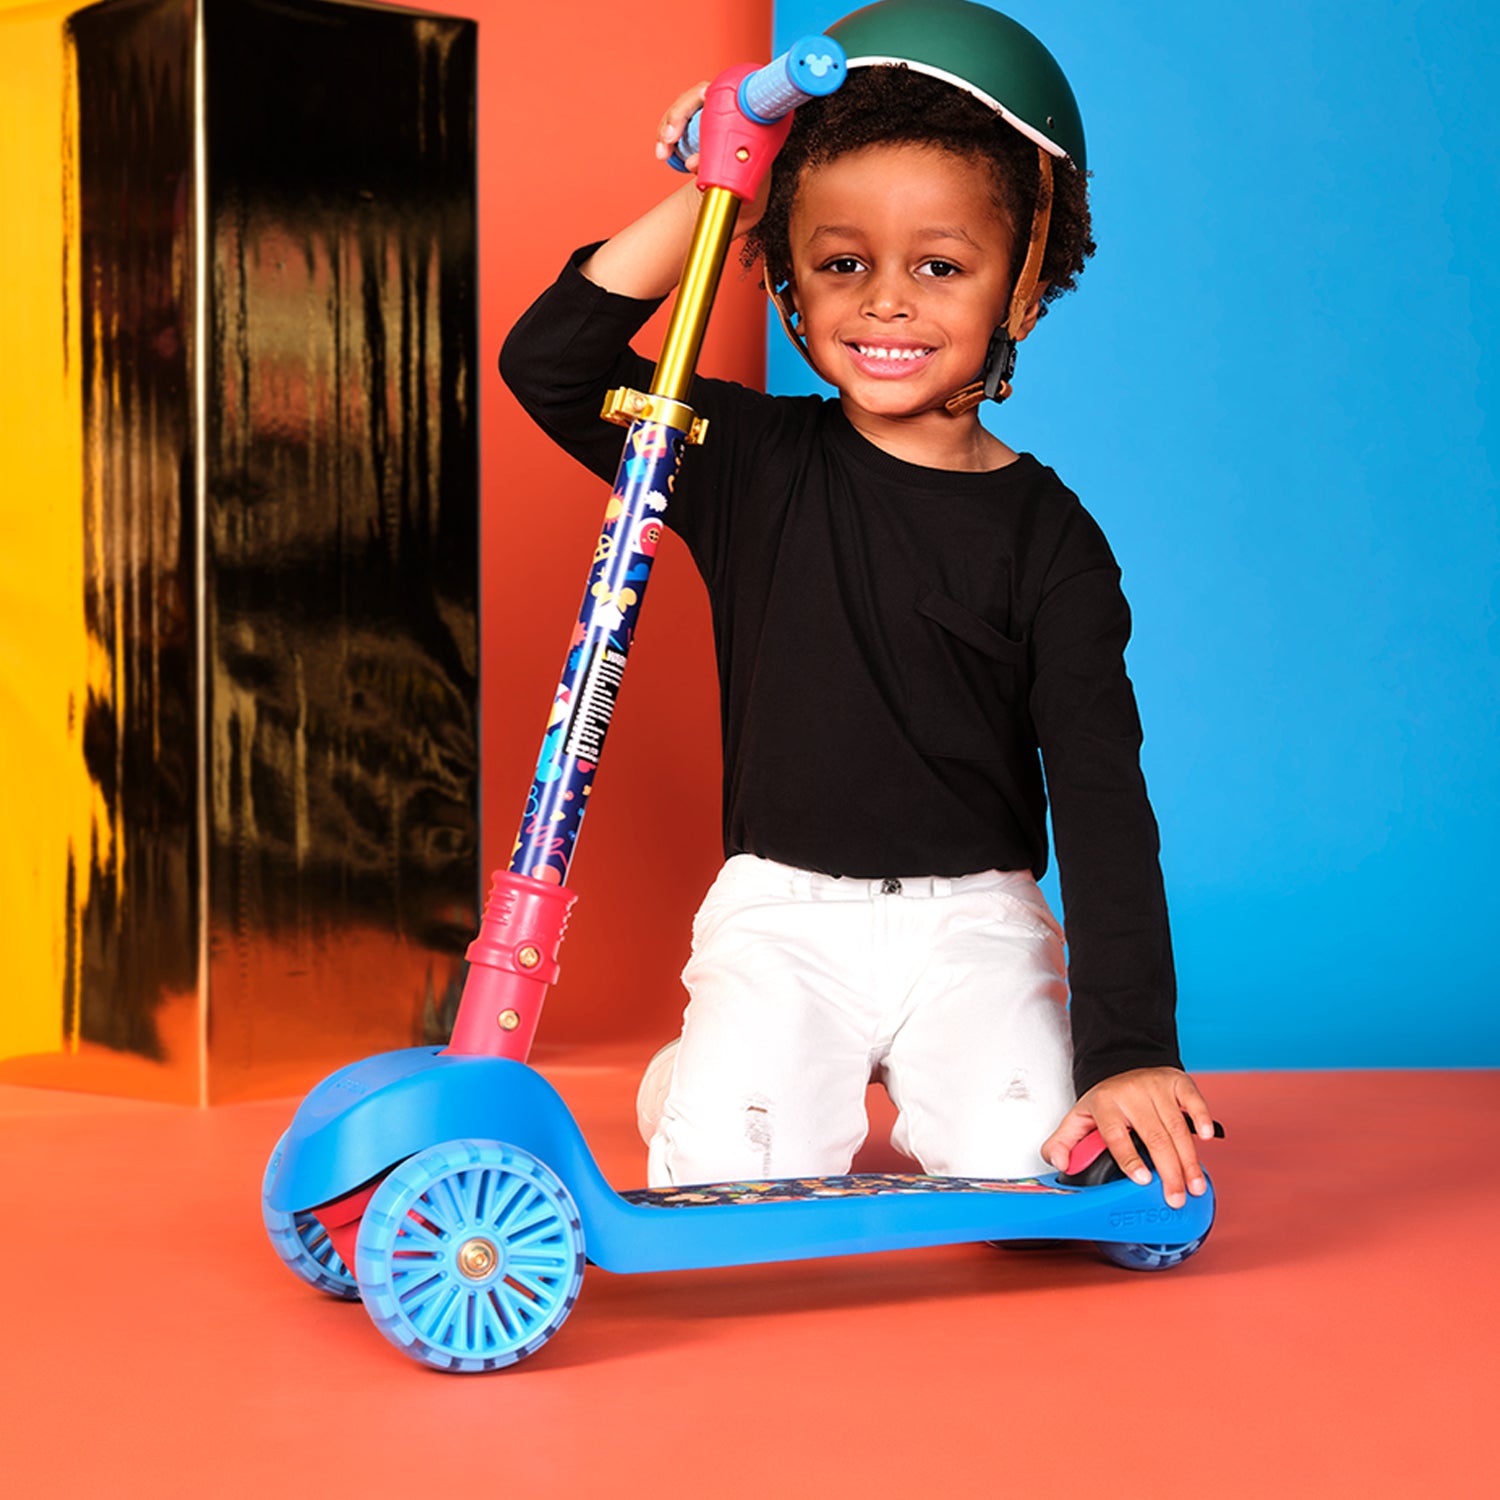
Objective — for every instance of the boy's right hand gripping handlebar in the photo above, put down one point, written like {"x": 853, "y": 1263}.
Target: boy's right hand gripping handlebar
{"x": 513, "y": 960}
{"x": 735, "y": 158}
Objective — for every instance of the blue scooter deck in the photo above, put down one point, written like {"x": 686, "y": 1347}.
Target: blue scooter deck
{"x": 362, "y": 1120}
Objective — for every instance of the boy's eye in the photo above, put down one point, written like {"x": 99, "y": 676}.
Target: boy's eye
{"x": 844, "y": 265}
{"x": 939, "y": 268}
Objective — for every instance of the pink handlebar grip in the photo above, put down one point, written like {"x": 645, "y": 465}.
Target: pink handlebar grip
{"x": 511, "y": 963}
{"x": 736, "y": 153}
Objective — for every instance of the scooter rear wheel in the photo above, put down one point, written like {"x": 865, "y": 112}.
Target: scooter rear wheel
{"x": 470, "y": 1255}
{"x": 301, "y": 1243}
{"x": 1149, "y": 1257}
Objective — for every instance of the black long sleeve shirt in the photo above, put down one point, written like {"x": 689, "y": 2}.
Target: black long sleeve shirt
{"x": 901, "y": 651}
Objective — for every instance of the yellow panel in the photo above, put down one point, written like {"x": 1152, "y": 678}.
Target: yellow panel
{"x": 50, "y": 807}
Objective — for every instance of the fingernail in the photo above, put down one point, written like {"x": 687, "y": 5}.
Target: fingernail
{"x": 1140, "y": 1175}
{"x": 1197, "y": 1187}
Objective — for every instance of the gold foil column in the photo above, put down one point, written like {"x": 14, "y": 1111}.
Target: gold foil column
{"x": 271, "y": 859}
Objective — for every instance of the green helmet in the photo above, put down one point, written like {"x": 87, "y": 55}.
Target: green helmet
{"x": 978, "y": 50}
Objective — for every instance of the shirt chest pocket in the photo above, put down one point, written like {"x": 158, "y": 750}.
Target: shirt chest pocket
{"x": 965, "y": 681}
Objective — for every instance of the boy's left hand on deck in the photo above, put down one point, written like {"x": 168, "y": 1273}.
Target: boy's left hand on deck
{"x": 1152, "y": 1102}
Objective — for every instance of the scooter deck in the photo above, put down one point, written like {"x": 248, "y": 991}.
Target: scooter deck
{"x": 362, "y": 1120}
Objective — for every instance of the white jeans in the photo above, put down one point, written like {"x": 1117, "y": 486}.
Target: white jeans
{"x": 802, "y": 987}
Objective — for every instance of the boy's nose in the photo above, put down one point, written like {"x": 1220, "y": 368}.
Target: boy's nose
{"x": 886, "y": 297}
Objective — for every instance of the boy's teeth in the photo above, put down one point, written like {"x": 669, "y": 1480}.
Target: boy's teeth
{"x": 870, "y": 352}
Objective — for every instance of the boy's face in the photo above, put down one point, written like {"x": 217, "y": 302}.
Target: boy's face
{"x": 901, "y": 272}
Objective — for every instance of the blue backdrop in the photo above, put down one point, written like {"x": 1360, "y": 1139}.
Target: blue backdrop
{"x": 1275, "y": 388}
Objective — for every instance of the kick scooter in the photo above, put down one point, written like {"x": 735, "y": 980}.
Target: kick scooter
{"x": 450, "y": 1189}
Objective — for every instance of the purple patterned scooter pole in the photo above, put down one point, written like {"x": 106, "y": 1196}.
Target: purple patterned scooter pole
{"x": 513, "y": 960}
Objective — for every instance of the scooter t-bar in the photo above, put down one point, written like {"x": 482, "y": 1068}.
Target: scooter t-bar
{"x": 745, "y": 117}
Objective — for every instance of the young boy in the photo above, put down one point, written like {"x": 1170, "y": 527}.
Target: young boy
{"x": 911, "y": 620}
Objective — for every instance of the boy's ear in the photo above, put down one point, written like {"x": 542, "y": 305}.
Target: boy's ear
{"x": 1033, "y": 312}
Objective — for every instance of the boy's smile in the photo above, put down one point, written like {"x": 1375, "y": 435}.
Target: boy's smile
{"x": 902, "y": 271}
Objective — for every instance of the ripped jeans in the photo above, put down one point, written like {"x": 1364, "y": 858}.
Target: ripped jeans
{"x": 803, "y": 987}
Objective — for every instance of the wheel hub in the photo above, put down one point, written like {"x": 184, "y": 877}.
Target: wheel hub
{"x": 477, "y": 1258}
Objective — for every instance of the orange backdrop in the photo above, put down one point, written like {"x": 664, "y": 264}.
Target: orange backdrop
{"x": 563, "y": 160}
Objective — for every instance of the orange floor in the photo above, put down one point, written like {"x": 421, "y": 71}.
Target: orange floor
{"x": 1340, "y": 1336}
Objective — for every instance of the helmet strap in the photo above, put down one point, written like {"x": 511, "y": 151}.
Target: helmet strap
{"x": 993, "y": 383}
{"x": 787, "y": 315}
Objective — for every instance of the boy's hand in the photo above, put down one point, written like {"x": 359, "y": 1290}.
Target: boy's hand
{"x": 669, "y": 132}
{"x": 674, "y": 122}
{"x": 1150, "y": 1101}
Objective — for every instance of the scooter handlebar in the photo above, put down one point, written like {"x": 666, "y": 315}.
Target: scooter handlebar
{"x": 811, "y": 67}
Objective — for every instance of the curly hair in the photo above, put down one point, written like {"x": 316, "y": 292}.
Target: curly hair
{"x": 891, "y": 104}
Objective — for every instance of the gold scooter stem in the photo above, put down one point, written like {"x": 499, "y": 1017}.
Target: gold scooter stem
{"x": 712, "y": 234}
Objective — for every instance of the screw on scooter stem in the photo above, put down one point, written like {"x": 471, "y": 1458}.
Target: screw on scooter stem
{"x": 810, "y": 68}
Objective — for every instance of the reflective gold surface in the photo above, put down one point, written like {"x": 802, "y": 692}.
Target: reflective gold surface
{"x": 137, "y": 908}
{"x": 275, "y": 861}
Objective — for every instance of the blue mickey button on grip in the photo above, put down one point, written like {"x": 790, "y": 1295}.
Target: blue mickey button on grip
{"x": 808, "y": 69}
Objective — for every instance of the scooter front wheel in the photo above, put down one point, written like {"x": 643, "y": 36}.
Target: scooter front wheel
{"x": 301, "y": 1243}
{"x": 470, "y": 1255}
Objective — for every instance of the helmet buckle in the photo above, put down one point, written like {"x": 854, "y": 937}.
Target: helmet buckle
{"x": 999, "y": 365}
